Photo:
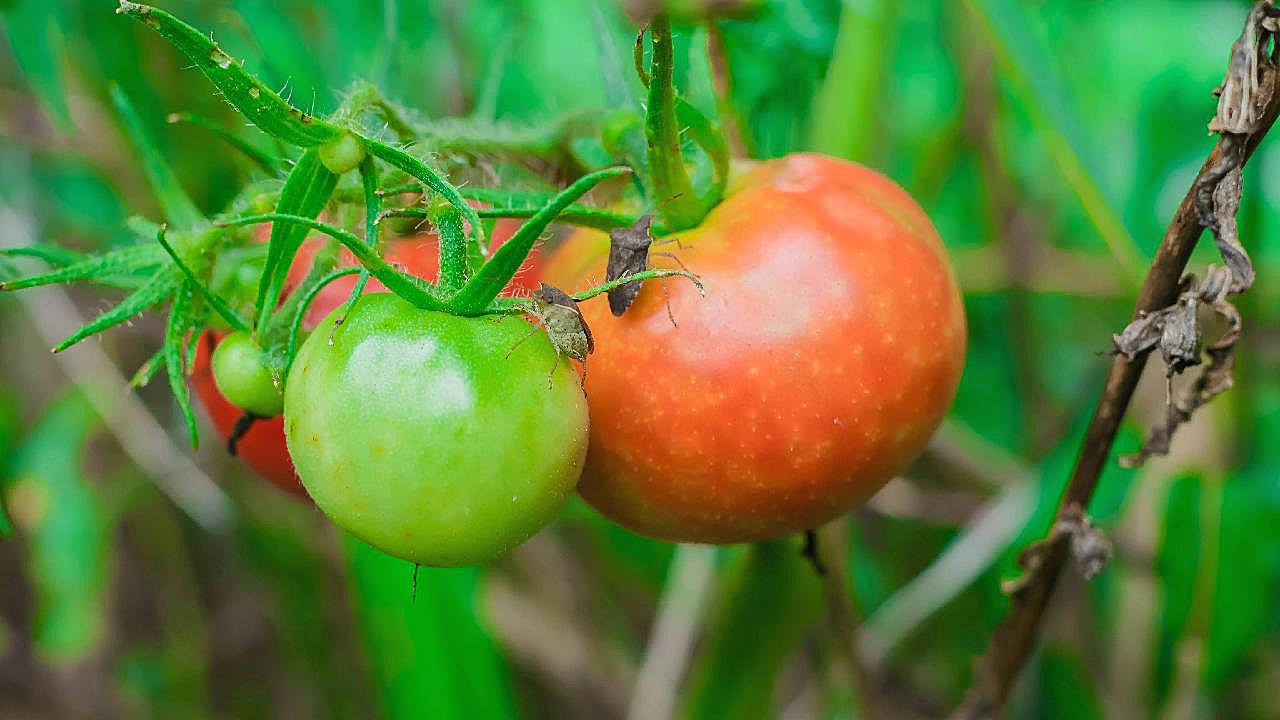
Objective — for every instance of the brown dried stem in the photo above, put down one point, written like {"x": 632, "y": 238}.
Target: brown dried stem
{"x": 1015, "y": 638}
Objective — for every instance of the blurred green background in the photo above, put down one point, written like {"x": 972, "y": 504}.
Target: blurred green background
{"x": 1049, "y": 140}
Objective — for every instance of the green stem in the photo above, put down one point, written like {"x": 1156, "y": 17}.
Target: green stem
{"x": 673, "y": 192}
{"x": 296, "y": 326}
{"x": 453, "y": 247}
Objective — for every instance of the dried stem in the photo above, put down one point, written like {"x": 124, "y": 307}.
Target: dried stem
{"x": 1015, "y": 638}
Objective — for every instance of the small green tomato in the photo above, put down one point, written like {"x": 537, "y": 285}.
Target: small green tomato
{"x": 243, "y": 376}
{"x": 342, "y": 155}
{"x": 427, "y": 436}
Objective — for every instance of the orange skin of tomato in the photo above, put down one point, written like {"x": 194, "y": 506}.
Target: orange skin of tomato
{"x": 826, "y": 352}
{"x": 262, "y": 448}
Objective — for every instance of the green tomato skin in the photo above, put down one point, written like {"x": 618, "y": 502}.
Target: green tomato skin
{"x": 416, "y": 432}
{"x": 242, "y": 376}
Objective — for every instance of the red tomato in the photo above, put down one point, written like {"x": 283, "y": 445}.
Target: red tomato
{"x": 825, "y": 353}
{"x": 262, "y": 448}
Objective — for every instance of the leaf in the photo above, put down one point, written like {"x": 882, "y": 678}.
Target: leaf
{"x": 177, "y": 206}
{"x": 771, "y": 595}
{"x": 62, "y": 517}
{"x": 268, "y": 162}
{"x": 32, "y": 29}
{"x": 489, "y": 281}
{"x": 306, "y": 191}
{"x": 844, "y": 120}
{"x": 264, "y": 108}
{"x": 1029, "y": 65}
{"x": 430, "y": 652}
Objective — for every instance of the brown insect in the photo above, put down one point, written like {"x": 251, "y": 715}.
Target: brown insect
{"x": 629, "y": 250}
{"x": 567, "y": 329}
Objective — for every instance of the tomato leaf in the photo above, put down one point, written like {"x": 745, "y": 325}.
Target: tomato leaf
{"x": 306, "y": 191}
{"x": 259, "y": 103}
{"x": 489, "y": 281}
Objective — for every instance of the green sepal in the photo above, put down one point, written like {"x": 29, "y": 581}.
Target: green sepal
{"x": 180, "y": 323}
{"x": 264, "y": 108}
{"x": 434, "y": 181}
{"x": 218, "y": 304}
{"x": 153, "y": 293}
{"x": 416, "y": 291}
{"x": 113, "y": 264}
{"x": 489, "y": 281}
{"x": 300, "y": 314}
{"x": 306, "y": 191}
{"x": 175, "y": 202}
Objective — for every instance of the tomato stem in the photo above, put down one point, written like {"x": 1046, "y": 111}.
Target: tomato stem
{"x": 672, "y": 188}
{"x": 453, "y": 246}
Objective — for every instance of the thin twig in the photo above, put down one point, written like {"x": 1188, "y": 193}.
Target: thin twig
{"x": 1015, "y": 638}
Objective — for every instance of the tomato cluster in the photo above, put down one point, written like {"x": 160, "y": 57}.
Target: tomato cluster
{"x": 825, "y": 354}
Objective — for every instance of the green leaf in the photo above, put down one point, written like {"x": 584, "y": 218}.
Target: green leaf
{"x": 770, "y": 596}
{"x": 306, "y": 191}
{"x": 62, "y": 517}
{"x": 430, "y": 652}
{"x": 264, "y": 108}
{"x": 33, "y": 32}
{"x": 268, "y": 162}
{"x": 177, "y": 207}
{"x": 1022, "y": 58}
{"x": 489, "y": 281}
{"x": 844, "y": 120}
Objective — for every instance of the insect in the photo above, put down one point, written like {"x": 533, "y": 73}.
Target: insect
{"x": 558, "y": 313}
{"x": 629, "y": 254}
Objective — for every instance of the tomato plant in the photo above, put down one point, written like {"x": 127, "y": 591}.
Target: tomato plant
{"x": 825, "y": 354}
{"x": 437, "y": 438}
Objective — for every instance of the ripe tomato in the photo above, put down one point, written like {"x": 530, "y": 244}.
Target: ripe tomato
{"x": 826, "y": 352}
{"x": 262, "y": 448}
{"x": 427, "y": 436}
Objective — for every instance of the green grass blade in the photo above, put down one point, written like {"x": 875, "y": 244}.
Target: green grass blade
{"x": 67, "y": 539}
{"x": 476, "y": 295}
{"x": 1025, "y": 61}
{"x": 432, "y": 652}
{"x": 268, "y": 162}
{"x": 264, "y": 108}
{"x": 32, "y": 30}
{"x": 177, "y": 206}
{"x": 844, "y": 120}
{"x": 770, "y": 597}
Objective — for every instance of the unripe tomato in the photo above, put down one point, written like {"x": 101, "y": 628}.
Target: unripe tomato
{"x": 427, "y": 436}
{"x": 825, "y": 353}
{"x": 262, "y": 447}
{"x": 244, "y": 378}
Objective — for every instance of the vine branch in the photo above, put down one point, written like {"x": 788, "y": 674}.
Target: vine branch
{"x": 1248, "y": 109}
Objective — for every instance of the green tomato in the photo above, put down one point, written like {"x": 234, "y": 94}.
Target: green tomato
{"x": 427, "y": 436}
{"x": 243, "y": 376}
{"x": 342, "y": 155}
